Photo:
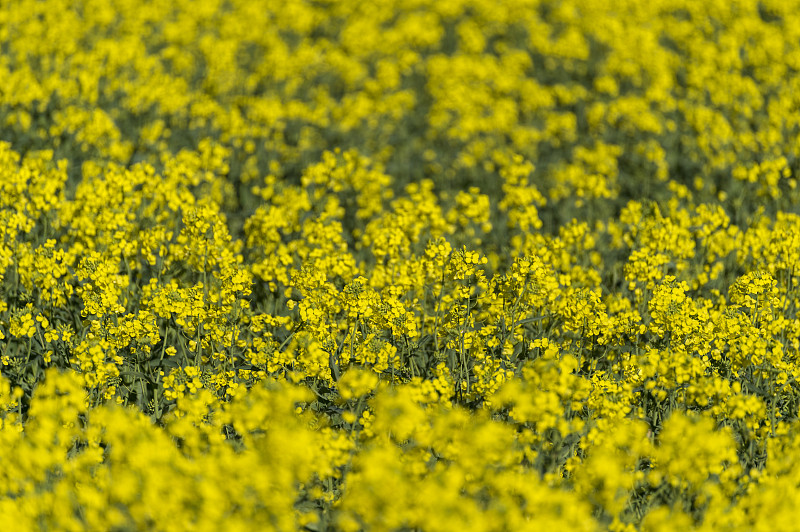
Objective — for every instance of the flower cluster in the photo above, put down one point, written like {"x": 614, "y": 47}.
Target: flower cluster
{"x": 433, "y": 265}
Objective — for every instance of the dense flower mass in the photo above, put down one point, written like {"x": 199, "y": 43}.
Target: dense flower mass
{"x": 399, "y": 265}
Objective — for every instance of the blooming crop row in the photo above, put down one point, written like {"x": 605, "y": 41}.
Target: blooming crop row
{"x": 399, "y": 265}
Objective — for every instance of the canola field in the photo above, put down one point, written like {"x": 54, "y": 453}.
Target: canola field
{"x": 399, "y": 265}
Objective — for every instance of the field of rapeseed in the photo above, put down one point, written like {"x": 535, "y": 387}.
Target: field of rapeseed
{"x": 399, "y": 265}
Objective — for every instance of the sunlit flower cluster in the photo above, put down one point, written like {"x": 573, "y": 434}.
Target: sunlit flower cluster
{"x": 455, "y": 265}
